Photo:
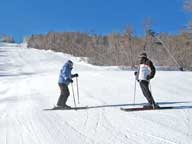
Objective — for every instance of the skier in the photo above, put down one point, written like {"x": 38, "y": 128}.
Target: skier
{"x": 65, "y": 78}
{"x": 144, "y": 74}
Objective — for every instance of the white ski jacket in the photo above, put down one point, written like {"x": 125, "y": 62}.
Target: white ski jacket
{"x": 144, "y": 71}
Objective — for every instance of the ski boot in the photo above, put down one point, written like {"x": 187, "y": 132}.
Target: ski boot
{"x": 155, "y": 106}
{"x": 148, "y": 105}
{"x": 67, "y": 107}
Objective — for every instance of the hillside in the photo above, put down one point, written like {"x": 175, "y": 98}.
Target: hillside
{"x": 28, "y": 86}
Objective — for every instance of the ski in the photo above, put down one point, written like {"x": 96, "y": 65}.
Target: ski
{"x": 144, "y": 109}
{"x": 72, "y": 108}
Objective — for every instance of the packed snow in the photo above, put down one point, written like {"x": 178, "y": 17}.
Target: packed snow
{"x": 28, "y": 87}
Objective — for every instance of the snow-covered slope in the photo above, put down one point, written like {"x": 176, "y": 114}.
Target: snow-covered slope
{"x": 28, "y": 86}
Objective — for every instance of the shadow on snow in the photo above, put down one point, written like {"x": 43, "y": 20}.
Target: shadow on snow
{"x": 130, "y": 105}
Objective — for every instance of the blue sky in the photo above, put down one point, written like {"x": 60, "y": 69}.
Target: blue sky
{"x": 25, "y": 17}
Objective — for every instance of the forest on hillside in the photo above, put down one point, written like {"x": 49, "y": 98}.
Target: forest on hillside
{"x": 119, "y": 49}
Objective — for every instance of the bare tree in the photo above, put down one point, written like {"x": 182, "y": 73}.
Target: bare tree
{"x": 148, "y": 22}
{"x": 129, "y": 51}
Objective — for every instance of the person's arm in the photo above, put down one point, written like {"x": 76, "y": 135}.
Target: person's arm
{"x": 66, "y": 73}
{"x": 153, "y": 70}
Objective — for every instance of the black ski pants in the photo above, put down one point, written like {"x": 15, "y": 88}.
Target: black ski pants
{"x": 64, "y": 94}
{"x": 146, "y": 92}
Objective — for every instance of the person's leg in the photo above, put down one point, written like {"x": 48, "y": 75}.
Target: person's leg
{"x": 146, "y": 92}
{"x": 62, "y": 96}
{"x": 66, "y": 94}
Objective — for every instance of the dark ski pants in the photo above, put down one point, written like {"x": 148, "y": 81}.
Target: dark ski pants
{"x": 63, "y": 95}
{"x": 146, "y": 92}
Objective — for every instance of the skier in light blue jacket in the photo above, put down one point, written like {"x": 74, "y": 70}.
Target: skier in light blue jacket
{"x": 65, "y": 78}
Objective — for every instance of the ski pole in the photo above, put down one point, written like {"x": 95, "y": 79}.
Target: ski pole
{"x": 150, "y": 88}
{"x": 134, "y": 92}
{"x": 77, "y": 90}
{"x": 73, "y": 94}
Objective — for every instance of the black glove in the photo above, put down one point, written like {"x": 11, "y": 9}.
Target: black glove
{"x": 148, "y": 77}
{"x": 75, "y": 75}
{"x": 70, "y": 80}
{"x": 135, "y": 73}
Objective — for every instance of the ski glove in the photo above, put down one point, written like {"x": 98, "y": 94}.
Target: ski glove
{"x": 148, "y": 77}
{"x": 70, "y": 80}
{"x": 135, "y": 73}
{"x": 75, "y": 75}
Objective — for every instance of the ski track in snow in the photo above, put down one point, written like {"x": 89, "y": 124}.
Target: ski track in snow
{"x": 29, "y": 85}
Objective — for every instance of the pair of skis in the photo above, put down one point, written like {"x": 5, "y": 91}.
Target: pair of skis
{"x": 132, "y": 109}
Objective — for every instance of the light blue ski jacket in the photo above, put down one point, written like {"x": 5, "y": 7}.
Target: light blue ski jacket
{"x": 65, "y": 74}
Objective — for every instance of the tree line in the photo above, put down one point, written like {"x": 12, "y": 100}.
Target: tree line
{"x": 121, "y": 49}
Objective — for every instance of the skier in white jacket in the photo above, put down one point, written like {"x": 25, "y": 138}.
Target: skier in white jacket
{"x": 144, "y": 74}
